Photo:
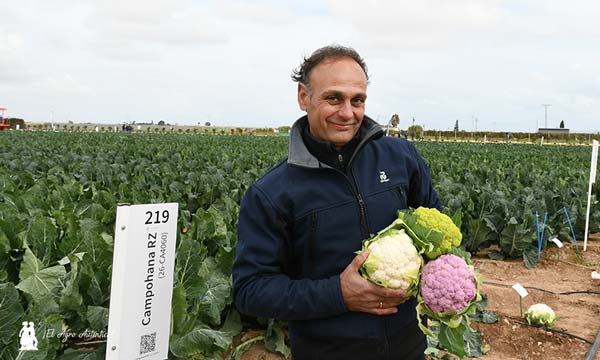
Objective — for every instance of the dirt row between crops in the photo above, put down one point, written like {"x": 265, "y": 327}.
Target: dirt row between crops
{"x": 511, "y": 337}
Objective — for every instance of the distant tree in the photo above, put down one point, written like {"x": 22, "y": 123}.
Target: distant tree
{"x": 562, "y": 124}
{"x": 456, "y": 125}
{"x": 415, "y": 129}
{"x": 161, "y": 123}
{"x": 207, "y": 123}
{"x": 284, "y": 129}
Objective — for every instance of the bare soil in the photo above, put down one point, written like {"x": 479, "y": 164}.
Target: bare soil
{"x": 579, "y": 313}
{"x": 511, "y": 337}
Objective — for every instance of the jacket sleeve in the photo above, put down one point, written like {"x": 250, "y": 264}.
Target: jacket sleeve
{"x": 260, "y": 285}
{"x": 422, "y": 192}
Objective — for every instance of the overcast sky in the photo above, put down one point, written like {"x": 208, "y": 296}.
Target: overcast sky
{"x": 229, "y": 62}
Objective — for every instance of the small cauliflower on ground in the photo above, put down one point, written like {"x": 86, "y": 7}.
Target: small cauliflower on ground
{"x": 393, "y": 261}
{"x": 448, "y": 284}
{"x": 431, "y": 218}
{"x": 540, "y": 314}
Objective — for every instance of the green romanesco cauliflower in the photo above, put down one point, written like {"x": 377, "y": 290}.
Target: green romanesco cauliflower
{"x": 393, "y": 260}
{"x": 432, "y": 218}
{"x": 540, "y": 314}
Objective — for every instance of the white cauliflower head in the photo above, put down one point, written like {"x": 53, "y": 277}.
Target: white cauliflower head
{"x": 540, "y": 314}
{"x": 393, "y": 260}
{"x": 448, "y": 284}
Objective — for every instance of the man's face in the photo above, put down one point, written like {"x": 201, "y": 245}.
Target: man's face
{"x": 335, "y": 103}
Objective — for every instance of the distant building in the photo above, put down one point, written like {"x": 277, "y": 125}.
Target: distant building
{"x": 553, "y": 131}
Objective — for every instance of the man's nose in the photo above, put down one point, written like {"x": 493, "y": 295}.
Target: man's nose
{"x": 346, "y": 111}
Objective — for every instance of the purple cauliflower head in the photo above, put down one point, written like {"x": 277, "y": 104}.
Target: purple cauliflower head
{"x": 448, "y": 284}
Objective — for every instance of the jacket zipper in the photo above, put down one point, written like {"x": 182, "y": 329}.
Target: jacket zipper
{"x": 363, "y": 215}
{"x": 361, "y": 206}
{"x": 403, "y": 196}
{"x": 312, "y": 241}
{"x": 386, "y": 345}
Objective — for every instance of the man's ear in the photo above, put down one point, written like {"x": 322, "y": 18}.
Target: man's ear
{"x": 303, "y": 97}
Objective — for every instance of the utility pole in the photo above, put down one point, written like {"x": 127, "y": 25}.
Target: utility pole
{"x": 546, "y": 114}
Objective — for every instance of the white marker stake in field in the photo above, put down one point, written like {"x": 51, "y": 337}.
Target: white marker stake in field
{"x": 557, "y": 242}
{"x": 592, "y": 180}
{"x": 520, "y": 290}
{"x": 142, "y": 282}
{"x": 522, "y": 293}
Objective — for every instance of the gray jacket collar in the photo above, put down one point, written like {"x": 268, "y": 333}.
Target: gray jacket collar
{"x": 299, "y": 155}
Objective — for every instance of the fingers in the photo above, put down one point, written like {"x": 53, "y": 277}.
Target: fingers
{"x": 381, "y": 308}
{"x": 384, "y": 311}
{"x": 362, "y": 295}
{"x": 385, "y": 294}
{"x": 359, "y": 260}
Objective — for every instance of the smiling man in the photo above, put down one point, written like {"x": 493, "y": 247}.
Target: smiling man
{"x": 301, "y": 224}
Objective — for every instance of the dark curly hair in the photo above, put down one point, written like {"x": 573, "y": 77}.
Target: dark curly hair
{"x": 302, "y": 73}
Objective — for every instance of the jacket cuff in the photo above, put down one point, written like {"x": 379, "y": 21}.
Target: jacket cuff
{"x": 335, "y": 294}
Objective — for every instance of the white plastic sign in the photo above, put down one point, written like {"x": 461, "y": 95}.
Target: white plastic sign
{"x": 142, "y": 282}
{"x": 520, "y": 290}
{"x": 557, "y": 242}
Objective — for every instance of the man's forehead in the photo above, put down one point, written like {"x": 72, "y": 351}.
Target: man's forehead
{"x": 344, "y": 68}
{"x": 345, "y": 91}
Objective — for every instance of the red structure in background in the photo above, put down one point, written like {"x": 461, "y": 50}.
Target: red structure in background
{"x": 3, "y": 125}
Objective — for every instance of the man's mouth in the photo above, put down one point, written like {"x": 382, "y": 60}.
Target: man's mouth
{"x": 342, "y": 126}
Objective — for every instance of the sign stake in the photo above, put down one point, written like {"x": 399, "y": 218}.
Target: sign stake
{"x": 592, "y": 181}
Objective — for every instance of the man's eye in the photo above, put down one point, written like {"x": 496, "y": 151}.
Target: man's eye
{"x": 358, "y": 101}
{"x": 332, "y": 99}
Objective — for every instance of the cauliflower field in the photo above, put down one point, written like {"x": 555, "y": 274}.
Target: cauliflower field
{"x": 59, "y": 191}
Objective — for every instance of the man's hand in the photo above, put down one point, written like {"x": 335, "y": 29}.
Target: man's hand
{"x": 362, "y": 295}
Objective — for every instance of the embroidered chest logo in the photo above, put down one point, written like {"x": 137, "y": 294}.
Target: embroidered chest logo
{"x": 383, "y": 177}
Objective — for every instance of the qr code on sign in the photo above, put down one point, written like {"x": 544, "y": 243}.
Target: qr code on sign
{"x": 148, "y": 343}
